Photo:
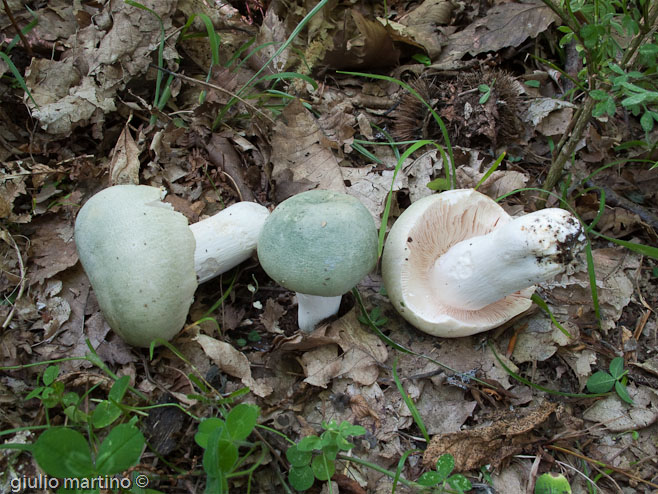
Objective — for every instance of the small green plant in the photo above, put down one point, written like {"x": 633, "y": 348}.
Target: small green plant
{"x": 108, "y": 411}
{"x": 441, "y": 477}
{"x": 221, "y": 440}
{"x": 315, "y": 457}
{"x": 625, "y": 88}
{"x": 485, "y": 89}
{"x": 618, "y": 44}
{"x": 52, "y": 393}
{"x": 65, "y": 453}
{"x": 376, "y": 317}
{"x": 603, "y": 382}
{"x": 422, "y": 58}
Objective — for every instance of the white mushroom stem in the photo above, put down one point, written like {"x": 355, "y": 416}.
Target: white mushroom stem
{"x": 530, "y": 249}
{"x": 311, "y": 309}
{"x": 226, "y": 239}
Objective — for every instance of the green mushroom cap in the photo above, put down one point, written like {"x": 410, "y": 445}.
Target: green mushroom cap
{"x": 552, "y": 483}
{"x": 139, "y": 256}
{"x": 319, "y": 242}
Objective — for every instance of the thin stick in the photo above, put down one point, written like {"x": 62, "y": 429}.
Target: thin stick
{"x": 212, "y": 86}
{"x": 6, "y": 236}
{"x": 602, "y": 464}
{"x": 27, "y": 46}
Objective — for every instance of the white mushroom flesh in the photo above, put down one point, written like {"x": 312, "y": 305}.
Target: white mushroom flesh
{"x": 313, "y": 308}
{"x": 440, "y": 296}
{"x": 226, "y": 239}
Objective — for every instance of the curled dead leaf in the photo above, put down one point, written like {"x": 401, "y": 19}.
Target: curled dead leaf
{"x": 509, "y": 435}
{"x": 233, "y": 362}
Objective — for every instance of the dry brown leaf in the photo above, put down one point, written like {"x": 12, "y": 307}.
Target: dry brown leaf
{"x": 83, "y": 104}
{"x": 507, "y": 436}
{"x": 272, "y": 315}
{"x": 124, "y": 167}
{"x": 505, "y": 25}
{"x": 499, "y": 182}
{"x": 618, "y": 416}
{"x": 369, "y": 45}
{"x": 540, "y": 338}
{"x": 360, "y": 354}
{"x": 361, "y": 409}
{"x": 108, "y": 54}
{"x": 615, "y": 274}
{"x": 541, "y": 109}
{"x": 10, "y": 189}
{"x": 300, "y": 161}
{"x": 271, "y": 35}
{"x": 421, "y": 24}
{"x": 371, "y": 187}
{"x": 233, "y": 362}
{"x": 52, "y": 248}
{"x": 56, "y": 22}
{"x": 337, "y": 125}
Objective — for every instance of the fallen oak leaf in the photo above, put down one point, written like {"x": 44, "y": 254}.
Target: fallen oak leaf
{"x": 233, "y": 362}
{"x": 492, "y": 444}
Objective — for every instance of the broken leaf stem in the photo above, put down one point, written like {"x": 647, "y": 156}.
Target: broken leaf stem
{"x": 602, "y": 464}
{"x": 555, "y": 171}
{"x": 213, "y": 86}
{"x": 6, "y": 236}
{"x": 10, "y": 14}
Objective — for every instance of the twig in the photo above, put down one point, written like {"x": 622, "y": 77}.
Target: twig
{"x": 555, "y": 171}
{"x": 6, "y": 236}
{"x": 213, "y": 86}
{"x": 602, "y": 464}
{"x": 27, "y": 46}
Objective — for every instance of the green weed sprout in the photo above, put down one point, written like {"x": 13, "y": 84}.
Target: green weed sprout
{"x": 315, "y": 457}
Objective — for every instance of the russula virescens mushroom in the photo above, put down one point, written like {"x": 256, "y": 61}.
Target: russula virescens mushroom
{"x": 143, "y": 259}
{"x": 319, "y": 244}
{"x": 456, "y": 263}
{"x": 552, "y": 483}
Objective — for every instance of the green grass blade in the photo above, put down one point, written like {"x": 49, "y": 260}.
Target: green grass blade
{"x": 158, "y": 79}
{"x": 389, "y": 198}
{"x": 289, "y": 75}
{"x": 410, "y": 404}
{"x": 298, "y": 29}
{"x": 25, "y": 30}
{"x": 492, "y": 169}
{"x": 450, "y": 170}
{"x": 544, "y": 306}
{"x": 537, "y": 386}
{"x": 18, "y": 76}
{"x": 398, "y": 470}
{"x": 645, "y": 250}
{"x": 239, "y": 52}
{"x": 361, "y": 149}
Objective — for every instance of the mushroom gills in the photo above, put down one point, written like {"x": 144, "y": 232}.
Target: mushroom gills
{"x": 530, "y": 249}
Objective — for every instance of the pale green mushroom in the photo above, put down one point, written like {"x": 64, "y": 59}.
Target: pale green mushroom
{"x": 144, "y": 261}
{"x": 319, "y": 244}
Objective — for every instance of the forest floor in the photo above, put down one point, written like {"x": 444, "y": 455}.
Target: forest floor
{"x": 255, "y": 105}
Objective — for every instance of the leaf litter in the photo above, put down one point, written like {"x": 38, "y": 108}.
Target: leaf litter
{"x": 92, "y": 79}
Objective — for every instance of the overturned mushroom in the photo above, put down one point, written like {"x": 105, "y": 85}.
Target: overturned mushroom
{"x": 143, "y": 259}
{"x": 320, "y": 244}
{"x": 456, "y": 263}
